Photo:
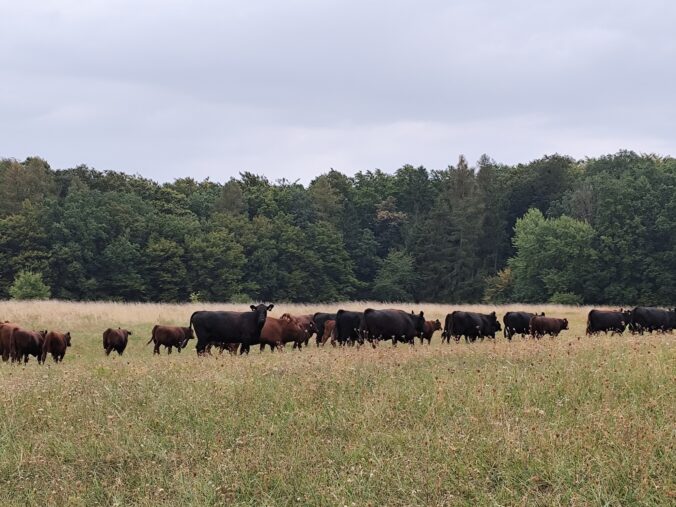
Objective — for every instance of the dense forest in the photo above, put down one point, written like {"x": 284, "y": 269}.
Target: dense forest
{"x": 556, "y": 229}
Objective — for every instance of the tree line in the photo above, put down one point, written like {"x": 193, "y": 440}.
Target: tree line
{"x": 600, "y": 230}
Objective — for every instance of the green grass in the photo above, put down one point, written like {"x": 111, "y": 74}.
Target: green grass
{"x": 566, "y": 421}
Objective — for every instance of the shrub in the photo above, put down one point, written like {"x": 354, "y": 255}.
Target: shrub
{"x": 29, "y": 285}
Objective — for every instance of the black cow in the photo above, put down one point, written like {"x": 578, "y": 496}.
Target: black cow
{"x": 518, "y": 323}
{"x": 395, "y": 325}
{"x": 347, "y": 327}
{"x": 615, "y": 322}
{"x": 652, "y": 319}
{"x": 320, "y": 319}
{"x": 471, "y": 325}
{"x": 229, "y": 327}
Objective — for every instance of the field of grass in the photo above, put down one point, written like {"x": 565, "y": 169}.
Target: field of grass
{"x": 566, "y": 421}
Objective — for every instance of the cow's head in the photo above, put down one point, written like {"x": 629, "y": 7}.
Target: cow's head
{"x": 564, "y": 323}
{"x": 67, "y": 337}
{"x": 436, "y": 325}
{"x": 419, "y": 322}
{"x": 495, "y": 323}
{"x": 261, "y": 312}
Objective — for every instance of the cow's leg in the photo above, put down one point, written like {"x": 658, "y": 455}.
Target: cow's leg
{"x": 108, "y": 349}
{"x": 169, "y": 347}
{"x": 156, "y": 349}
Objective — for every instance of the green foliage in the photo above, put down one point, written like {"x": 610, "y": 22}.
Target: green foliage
{"x": 602, "y": 229}
{"x": 395, "y": 280}
{"x": 29, "y": 285}
{"x": 552, "y": 255}
{"x": 565, "y": 298}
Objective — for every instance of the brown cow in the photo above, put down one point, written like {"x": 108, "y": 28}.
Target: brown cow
{"x": 6, "y": 329}
{"x": 170, "y": 336}
{"x": 278, "y": 332}
{"x": 115, "y": 339}
{"x": 306, "y": 322}
{"x": 56, "y": 345}
{"x": 329, "y": 332}
{"x": 26, "y": 343}
{"x": 429, "y": 327}
{"x": 540, "y": 326}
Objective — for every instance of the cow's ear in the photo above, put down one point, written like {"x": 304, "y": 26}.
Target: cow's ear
{"x": 130, "y": 333}
{"x": 493, "y": 314}
{"x": 422, "y": 314}
{"x": 253, "y": 307}
{"x": 270, "y": 307}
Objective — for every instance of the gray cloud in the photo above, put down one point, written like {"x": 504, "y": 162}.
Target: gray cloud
{"x": 292, "y": 88}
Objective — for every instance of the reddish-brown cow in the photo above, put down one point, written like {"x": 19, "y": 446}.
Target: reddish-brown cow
{"x": 115, "y": 339}
{"x": 540, "y": 326}
{"x": 170, "y": 336}
{"x": 56, "y": 345}
{"x": 429, "y": 327}
{"x": 306, "y": 322}
{"x": 6, "y": 329}
{"x": 329, "y": 327}
{"x": 278, "y": 332}
{"x": 26, "y": 343}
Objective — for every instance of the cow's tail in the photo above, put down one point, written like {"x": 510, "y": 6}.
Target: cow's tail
{"x": 589, "y": 326}
{"x": 152, "y": 335}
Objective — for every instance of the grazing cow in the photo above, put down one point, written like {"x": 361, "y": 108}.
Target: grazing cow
{"x": 115, "y": 339}
{"x": 278, "y": 332}
{"x": 6, "y": 329}
{"x": 395, "y": 325}
{"x": 26, "y": 343}
{"x": 229, "y": 327}
{"x": 347, "y": 327}
{"x": 429, "y": 328}
{"x": 170, "y": 336}
{"x": 306, "y": 322}
{"x": 615, "y": 322}
{"x": 471, "y": 325}
{"x": 540, "y": 326}
{"x": 320, "y": 319}
{"x": 329, "y": 332}
{"x": 652, "y": 319}
{"x": 518, "y": 323}
{"x": 56, "y": 345}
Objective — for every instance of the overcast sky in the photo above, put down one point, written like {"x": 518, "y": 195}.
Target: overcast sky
{"x": 292, "y": 88}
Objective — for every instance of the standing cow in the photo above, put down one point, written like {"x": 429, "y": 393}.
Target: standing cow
{"x": 230, "y": 327}
{"x": 652, "y": 319}
{"x": 429, "y": 328}
{"x": 26, "y": 343}
{"x": 540, "y": 326}
{"x": 55, "y": 344}
{"x": 320, "y": 319}
{"x": 306, "y": 322}
{"x": 395, "y": 325}
{"x": 329, "y": 332}
{"x": 518, "y": 323}
{"x": 471, "y": 325}
{"x": 6, "y": 329}
{"x": 347, "y": 327}
{"x": 278, "y": 332}
{"x": 170, "y": 336}
{"x": 115, "y": 339}
{"x": 604, "y": 321}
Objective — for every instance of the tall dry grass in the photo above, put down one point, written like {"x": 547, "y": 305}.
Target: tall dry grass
{"x": 566, "y": 421}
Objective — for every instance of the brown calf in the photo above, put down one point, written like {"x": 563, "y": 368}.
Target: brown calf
{"x": 56, "y": 345}
{"x": 540, "y": 326}
{"x": 115, "y": 339}
{"x": 170, "y": 336}
{"x": 429, "y": 327}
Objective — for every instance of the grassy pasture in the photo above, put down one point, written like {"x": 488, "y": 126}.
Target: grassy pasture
{"x": 565, "y": 421}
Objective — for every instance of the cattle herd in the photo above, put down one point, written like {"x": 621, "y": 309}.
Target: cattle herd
{"x": 234, "y": 331}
